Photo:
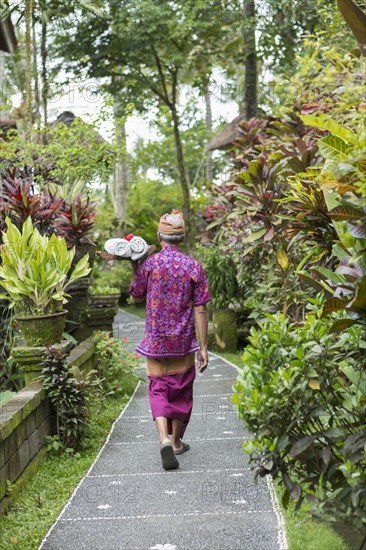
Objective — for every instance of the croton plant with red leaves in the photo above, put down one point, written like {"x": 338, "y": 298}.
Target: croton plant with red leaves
{"x": 75, "y": 220}
{"x": 246, "y": 209}
{"x": 20, "y": 200}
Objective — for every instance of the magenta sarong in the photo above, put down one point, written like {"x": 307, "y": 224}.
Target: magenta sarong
{"x": 172, "y": 396}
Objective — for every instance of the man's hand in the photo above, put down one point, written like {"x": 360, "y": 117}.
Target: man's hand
{"x": 201, "y": 319}
{"x": 106, "y": 256}
{"x": 202, "y": 358}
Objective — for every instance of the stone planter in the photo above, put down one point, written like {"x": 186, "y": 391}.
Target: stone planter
{"x": 84, "y": 247}
{"x": 105, "y": 300}
{"x": 42, "y": 330}
{"x": 77, "y": 305}
{"x": 224, "y": 321}
{"x": 100, "y": 318}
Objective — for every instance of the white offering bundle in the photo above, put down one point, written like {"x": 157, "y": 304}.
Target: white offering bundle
{"x": 131, "y": 247}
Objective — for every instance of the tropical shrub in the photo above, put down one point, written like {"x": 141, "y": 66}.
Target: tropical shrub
{"x": 296, "y": 180}
{"x": 221, "y": 275}
{"x": 34, "y": 270}
{"x": 302, "y": 394}
{"x": 71, "y": 393}
{"x": 116, "y": 365}
{"x": 343, "y": 183}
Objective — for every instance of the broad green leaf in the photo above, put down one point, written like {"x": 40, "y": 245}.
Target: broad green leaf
{"x": 328, "y": 274}
{"x": 334, "y": 433}
{"x": 346, "y": 212}
{"x": 358, "y": 378}
{"x": 334, "y": 147}
{"x": 255, "y": 235}
{"x": 355, "y": 18}
{"x": 314, "y": 384}
{"x": 332, "y": 199}
{"x": 312, "y": 282}
{"x": 301, "y": 445}
{"x": 334, "y": 304}
{"x": 342, "y": 324}
{"x": 326, "y": 122}
{"x": 213, "y": 224}
{"x": 81, "y": 269}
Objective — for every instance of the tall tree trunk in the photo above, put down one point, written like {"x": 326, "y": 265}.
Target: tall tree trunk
{"x": 209, "y": 163}
{"x": 45, "y": 84}
{"x": 121, "y": 173}
{"x": 36, "y": 75}
{"x": 250, "y": 92}
{"x": 28, "y": 67}
{"x": 4, "y": 92}
{"x": 182, "y": 173}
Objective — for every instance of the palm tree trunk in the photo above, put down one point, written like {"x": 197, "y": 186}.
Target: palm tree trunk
{"x": 209, "y": 163}
{"x": 182, "y": 173}
{"x": 251, "y": 92}
{"x": 36, "y": 74}
{"x": 121, "y": 172}
{"x": 45, "y": 84}
{"x": 28, "y": 12}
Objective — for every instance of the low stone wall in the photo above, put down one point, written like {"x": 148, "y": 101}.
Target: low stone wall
{"x": 28, "y": 417}
{"x": 24, "y": 421}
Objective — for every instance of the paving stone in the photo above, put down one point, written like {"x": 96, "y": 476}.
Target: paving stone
{"x": 223, "y": 491}
{"x": 199, "y": 532}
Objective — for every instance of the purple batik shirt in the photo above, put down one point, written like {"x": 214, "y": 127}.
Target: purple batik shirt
{"x": 173, "y": 284}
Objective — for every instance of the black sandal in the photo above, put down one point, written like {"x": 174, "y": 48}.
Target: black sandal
{"x": 169, "y": 461}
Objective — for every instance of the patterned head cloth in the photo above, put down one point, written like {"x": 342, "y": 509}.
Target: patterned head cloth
{"x": 172, "y": 224}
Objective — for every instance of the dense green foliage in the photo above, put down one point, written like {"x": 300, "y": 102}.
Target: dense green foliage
{"x": 292, "y": 216}
{"x": 302, "y": 393}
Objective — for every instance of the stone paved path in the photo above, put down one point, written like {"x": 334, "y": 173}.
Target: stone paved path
{"x": 126, "y": 501}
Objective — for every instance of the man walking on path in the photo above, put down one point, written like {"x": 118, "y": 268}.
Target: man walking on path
{"x": 176, "y": 291}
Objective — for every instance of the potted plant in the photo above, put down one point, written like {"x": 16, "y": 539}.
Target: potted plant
{"x": 74, "y": 222}
{"x": 34, "y": 273}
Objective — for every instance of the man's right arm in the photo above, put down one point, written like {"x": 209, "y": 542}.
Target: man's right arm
{"x": 138, "y": 286}
{"x": 201, "y": 319}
